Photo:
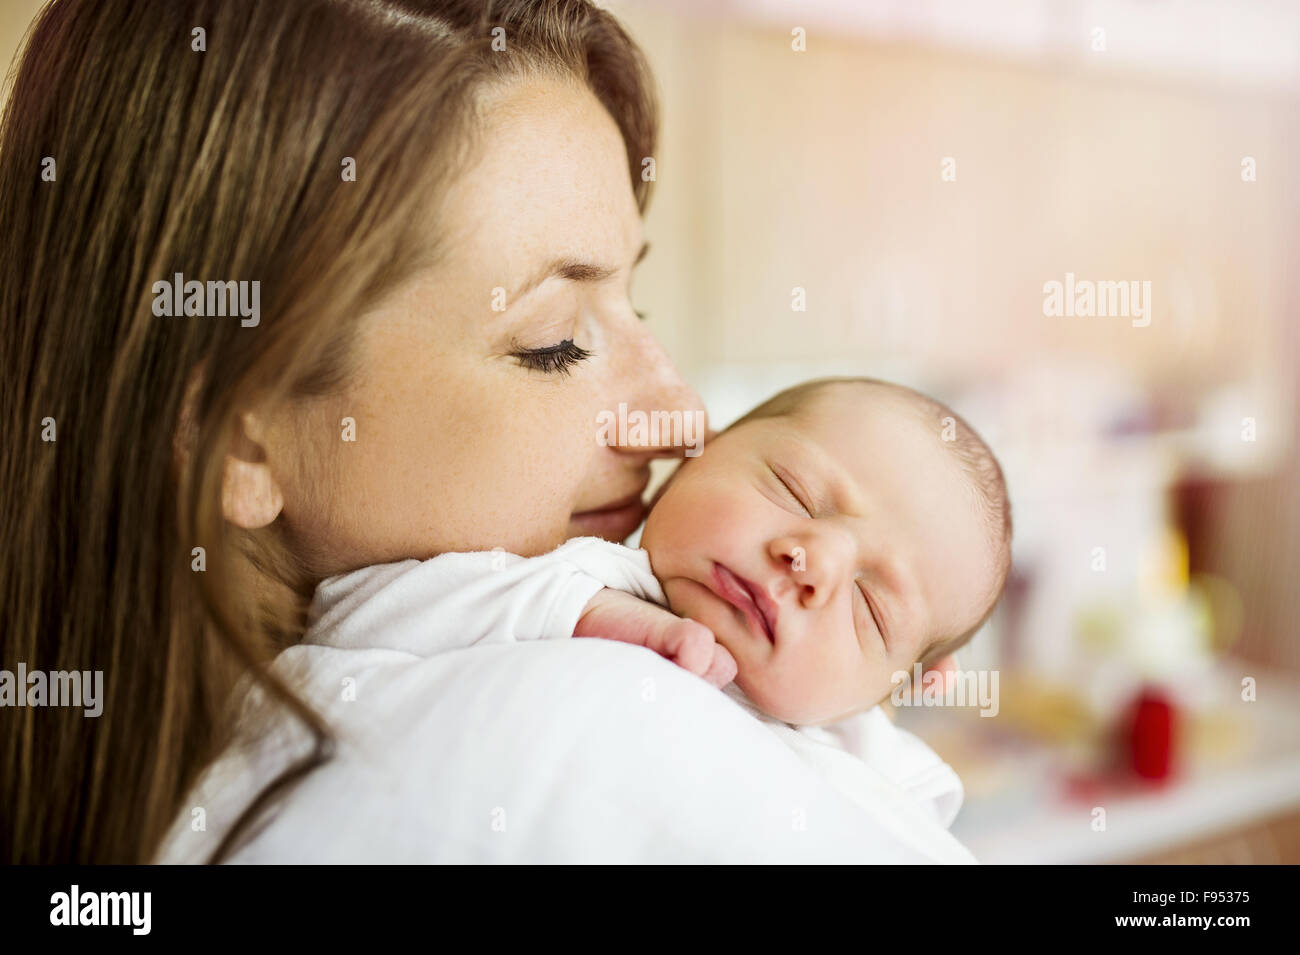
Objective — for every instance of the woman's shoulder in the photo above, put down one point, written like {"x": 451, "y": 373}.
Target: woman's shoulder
{"x": 552, "y": 751}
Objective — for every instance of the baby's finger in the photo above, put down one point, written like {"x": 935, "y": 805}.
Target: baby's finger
{"x": 689, "y": 644}
{"x": 722, "y": 668}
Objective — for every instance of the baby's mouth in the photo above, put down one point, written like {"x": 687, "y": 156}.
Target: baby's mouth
{"x": 741, "y": 594}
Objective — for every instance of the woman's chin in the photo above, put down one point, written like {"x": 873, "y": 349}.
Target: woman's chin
{"x": 616, "y": 524}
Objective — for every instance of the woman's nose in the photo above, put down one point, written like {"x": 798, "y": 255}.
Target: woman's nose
{"x": 812, "y": 565}
{"x": 671, "y": 415}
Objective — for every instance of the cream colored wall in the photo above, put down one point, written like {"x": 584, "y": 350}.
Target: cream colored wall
{"x": 15, "y": 17}
{"x": 822, "y": 170}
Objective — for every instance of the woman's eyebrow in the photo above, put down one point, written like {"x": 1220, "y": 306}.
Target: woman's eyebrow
{"x": 574, "y": 270}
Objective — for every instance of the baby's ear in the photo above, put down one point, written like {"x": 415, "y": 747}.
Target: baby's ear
{"x": 946, "y": 664}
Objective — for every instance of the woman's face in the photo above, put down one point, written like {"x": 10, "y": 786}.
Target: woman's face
{"x": 463, "y": 439}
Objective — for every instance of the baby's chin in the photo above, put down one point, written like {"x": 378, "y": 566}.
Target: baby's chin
{"x": 777, "y": 704}
{"x": 765, "y": 690}
{"x": 760, "y": 680}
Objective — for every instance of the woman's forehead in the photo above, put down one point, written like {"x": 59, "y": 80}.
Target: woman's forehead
{"x": 550, "y": 180}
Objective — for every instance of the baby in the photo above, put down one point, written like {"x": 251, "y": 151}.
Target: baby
{"x": 835, "y": 535}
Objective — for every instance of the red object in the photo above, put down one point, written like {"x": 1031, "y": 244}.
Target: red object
{"x": 1151, "y": 734}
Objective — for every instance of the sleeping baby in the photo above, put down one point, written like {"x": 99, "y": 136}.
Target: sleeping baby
{"x": 832, "y": 537}
{"x": 835, "y": 535}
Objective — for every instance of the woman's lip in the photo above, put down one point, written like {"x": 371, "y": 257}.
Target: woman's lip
{"x": 745, "y": 597}
{"x": 618, "y": 505}
{"x": 615, "y": 522}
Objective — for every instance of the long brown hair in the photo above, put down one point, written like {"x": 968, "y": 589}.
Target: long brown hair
{"x": 221, "y": 163}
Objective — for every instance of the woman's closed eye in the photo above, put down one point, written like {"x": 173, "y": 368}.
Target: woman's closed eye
{"x": 552, "y": 359}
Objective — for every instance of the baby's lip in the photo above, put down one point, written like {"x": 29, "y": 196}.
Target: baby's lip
{"x": 766, "y": 606}
{"x": 748, "y": 598}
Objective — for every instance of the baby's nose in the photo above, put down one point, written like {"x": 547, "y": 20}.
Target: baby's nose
{"x": 789, "y": 552}
{"x": 812, "y": 566}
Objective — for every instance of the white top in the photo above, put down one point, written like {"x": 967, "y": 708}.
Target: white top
{"x": 472, "y": 728}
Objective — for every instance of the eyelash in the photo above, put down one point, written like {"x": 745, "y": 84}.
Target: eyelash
{"x": 553, "y": 359}
{"x": 870, "y": 609}
{"x": 789, "y": 490}
{"x": 795, "y": 497}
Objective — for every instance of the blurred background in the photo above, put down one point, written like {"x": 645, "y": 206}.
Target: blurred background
{"x": 917, "y": 173}
{"x": 913, "y": 176}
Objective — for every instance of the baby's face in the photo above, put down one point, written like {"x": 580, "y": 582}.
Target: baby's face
{"x": 825, "y": 550}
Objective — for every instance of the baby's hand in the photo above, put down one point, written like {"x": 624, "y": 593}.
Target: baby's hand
{"x": 615, "y": 615}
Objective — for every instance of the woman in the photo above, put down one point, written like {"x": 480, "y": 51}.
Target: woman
{"x": 441, "y": 205}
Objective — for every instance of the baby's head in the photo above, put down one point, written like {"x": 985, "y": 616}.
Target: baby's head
{"x": 838, "y": 533}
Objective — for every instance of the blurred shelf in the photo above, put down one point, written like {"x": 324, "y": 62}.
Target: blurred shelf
{"x": 1273, "y": 842}
{"x": 1022, "y": 808}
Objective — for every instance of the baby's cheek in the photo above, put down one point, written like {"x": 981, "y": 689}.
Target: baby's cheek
{"x": 878, "y": 683}
{"x": 763, "y": 691}
{"x": 677, "y": 601}
{"x": 717, "y": 525}
{"x": 824, "y": 684}
{"x": 782, "y": 685}
{"x": 684, "y": 524}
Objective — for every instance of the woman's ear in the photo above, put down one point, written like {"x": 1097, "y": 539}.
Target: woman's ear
{"x": 250, "y": 495}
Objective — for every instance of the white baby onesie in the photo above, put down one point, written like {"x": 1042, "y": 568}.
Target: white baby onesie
{"x": 501, "y": 597}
